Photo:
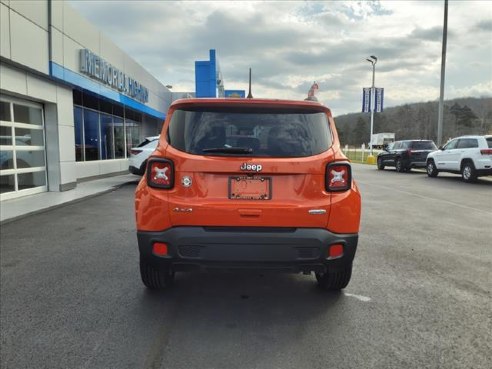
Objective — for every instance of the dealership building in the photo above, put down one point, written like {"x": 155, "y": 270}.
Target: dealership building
{"x": 72, "y": 103}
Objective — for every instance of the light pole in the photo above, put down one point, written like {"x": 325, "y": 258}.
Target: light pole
{"x": 443, "y": 71}
{"x": 373, "y": 60}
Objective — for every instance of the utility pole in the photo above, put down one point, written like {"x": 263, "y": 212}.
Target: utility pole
{"x": 443, "y": 69}
{"x": 250, "y": 95}
{"x": 373, "y": 60}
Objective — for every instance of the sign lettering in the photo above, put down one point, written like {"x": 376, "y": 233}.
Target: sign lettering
{"x": 97, "y": 68}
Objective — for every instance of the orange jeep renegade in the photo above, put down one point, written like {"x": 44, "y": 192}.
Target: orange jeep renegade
{"x": 248, "y": 183}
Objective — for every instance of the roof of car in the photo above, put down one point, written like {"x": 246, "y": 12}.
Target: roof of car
{"x": 472, "y": 136}
{"x": 414, "y": 140}
{"x": 246, "y": 101}
{"x": 250, "y": 102}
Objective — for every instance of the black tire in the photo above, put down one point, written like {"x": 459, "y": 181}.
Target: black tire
{"x": 156, "y": 278}
{"x": 399, "y": 166}
{"x": 431, "y": 168}
{"x": 380, "y": 164}
{"x": 334, "y": 281}
{"x": 468, "y": 171}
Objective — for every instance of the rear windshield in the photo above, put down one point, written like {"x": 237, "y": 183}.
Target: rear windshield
{"x": 269, "y": 133}
{"x": 423, "y": 145}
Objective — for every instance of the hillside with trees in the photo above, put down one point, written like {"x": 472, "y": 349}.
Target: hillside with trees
{"x": 419, "y": 121}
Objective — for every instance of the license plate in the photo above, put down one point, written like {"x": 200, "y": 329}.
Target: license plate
{"x": 250, "y": 188}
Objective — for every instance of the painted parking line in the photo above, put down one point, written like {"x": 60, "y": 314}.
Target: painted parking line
{"x": 358, "y": 297}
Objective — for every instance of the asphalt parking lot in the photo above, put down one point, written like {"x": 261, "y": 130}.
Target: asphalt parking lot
{"x": 420, "y": 295}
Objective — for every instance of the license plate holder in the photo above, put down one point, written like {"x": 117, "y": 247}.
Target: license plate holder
{"x": 250, "y": 188}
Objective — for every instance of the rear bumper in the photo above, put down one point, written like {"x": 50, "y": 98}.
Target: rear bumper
{"x": 287, "y": 249}
{"x": 411, "y": 163}
{"x": 418, "y": 164}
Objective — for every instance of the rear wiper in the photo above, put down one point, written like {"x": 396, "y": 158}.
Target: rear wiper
{"x": 230, "y": 150}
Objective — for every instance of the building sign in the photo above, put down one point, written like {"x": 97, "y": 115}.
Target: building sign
{"x": 378, "y": 100}
{"x": 366, "y": 99}
{"x": 99, "y": 69}
{"x": 235, "y": 93}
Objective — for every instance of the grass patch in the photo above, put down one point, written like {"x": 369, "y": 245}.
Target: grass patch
{"x": 359, "y": 156}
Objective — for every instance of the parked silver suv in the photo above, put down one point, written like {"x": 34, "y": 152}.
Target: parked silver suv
{"x": 470, "y": 156}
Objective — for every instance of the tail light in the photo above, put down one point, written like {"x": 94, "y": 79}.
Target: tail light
{"x": 335, "y": 251}
{"x": 159, "y": 248}
{"x": 409, "y": 152}
{"x": 135, "y": 151}
{"x": 338, "y": 177}
{"x": 160, "y": 173}
{"x": 486, "y": 152}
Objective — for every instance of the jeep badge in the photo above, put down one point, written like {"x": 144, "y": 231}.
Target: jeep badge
{"x": 251, "y": 167}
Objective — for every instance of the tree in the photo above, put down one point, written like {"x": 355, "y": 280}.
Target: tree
{"x": 419, "y": 120}
{"x": 361, "y": 132}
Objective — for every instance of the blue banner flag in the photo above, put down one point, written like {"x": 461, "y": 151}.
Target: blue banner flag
{"x": 366, "y": 99}
{"x": 379, "y": 100}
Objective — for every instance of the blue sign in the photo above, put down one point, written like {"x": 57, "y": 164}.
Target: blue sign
{"x": 378, "y": 100}
{"x": 235, "y": 93}
{"x": 366, "y": 99}
{"x": 208, "y": 77}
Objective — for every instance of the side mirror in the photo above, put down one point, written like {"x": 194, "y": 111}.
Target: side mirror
{"x": 385, "y": 147}
{"x": 440, "y": 148}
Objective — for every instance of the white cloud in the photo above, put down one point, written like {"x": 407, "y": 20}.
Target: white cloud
{"x": 290, "y": 44}
{"x": 478, "y": 90}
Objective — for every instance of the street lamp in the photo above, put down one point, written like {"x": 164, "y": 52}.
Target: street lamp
{"x": 373, "y": 60}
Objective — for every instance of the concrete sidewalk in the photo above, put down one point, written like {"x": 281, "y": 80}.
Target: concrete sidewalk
{"x": 18, "y": 208}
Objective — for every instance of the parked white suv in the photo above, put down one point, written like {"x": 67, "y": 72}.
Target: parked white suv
{"x": 139, "y": 155}
{"x": 470, "y": 156}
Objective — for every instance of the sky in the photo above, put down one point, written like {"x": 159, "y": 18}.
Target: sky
{"x": 291, "y": 44}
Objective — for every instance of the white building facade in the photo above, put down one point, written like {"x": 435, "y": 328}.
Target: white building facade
{"x": 72, "y": 103}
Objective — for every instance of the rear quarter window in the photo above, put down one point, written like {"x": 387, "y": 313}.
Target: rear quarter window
{"x": 424, "y": 145}
{"x": 467, "y": 143}
{"x": 264, "y": 132}
{"x": 143, "y": 143}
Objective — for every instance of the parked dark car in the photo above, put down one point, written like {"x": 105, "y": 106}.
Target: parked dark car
{"x": 405, "y": 155}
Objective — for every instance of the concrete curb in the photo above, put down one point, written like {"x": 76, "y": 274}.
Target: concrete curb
{"x": 66, "y": 203}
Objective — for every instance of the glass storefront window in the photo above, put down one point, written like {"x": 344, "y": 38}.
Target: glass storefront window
{"x": 91, "y": 135}
{"x": 107, "y": 137}
{"x": 132, "y": 135}
{"x": 29, "y": 137}
{"x": 5, "y": 135}
{"x": 28, "y": 114}
{"x": 78, "y": 124}
{"x": 119, "y": 138}
{"x": 105, "y": 130}
{"x": 22, "y": 154}
{"x": 4, "y": 111}
{"x": 7, "y": 183}
{"x": 6, "y": 159}
{"x": 30, "y": 180}
{"x": 29, "y": 159}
